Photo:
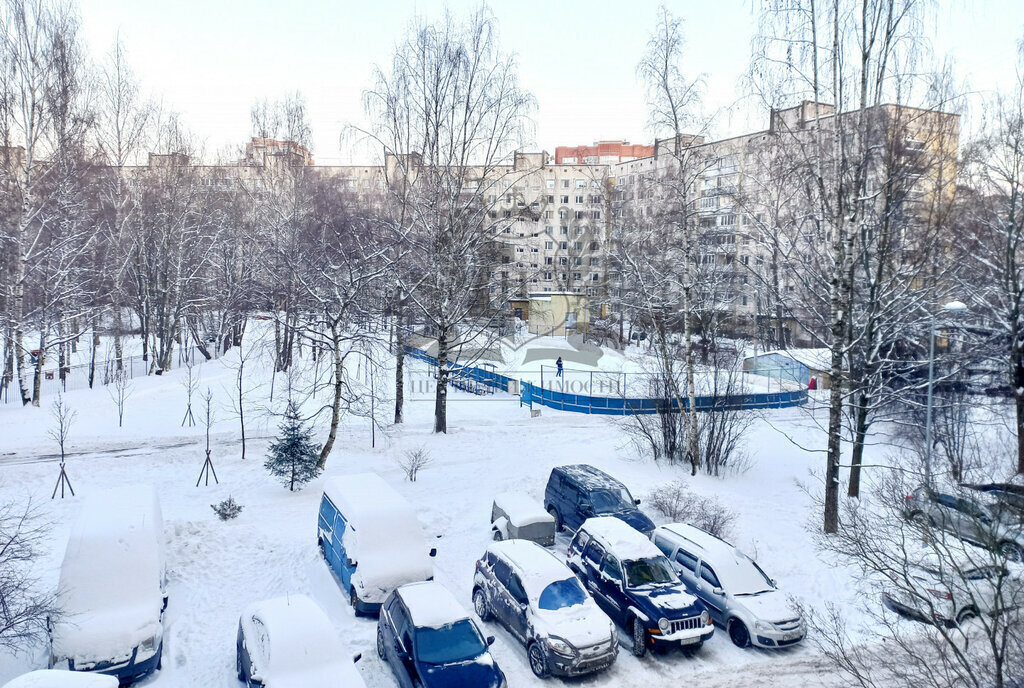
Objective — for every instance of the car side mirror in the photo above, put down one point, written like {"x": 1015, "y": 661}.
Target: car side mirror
{"x": 351, "y": 563}
{"x": 356, "y": 657}
{"x": 400, "y": 651}
{"x": 718, "y": 591}
{"x": 433, "y": 551}
{"x": 636, "y": 502}
{"x": 490, "y": 640}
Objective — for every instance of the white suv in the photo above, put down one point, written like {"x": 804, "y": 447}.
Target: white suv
{"x": 739, "y": 595}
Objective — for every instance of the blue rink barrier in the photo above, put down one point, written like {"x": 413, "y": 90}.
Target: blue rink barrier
{"x": 531, "y": 394}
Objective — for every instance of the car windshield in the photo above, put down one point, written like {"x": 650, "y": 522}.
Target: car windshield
{"x": 649, "y": 572}
{"x": 742, "y": 576}
{"x": 458, "y": 642}
{"x": 609, "y": 501}
{"x": 563, "y": 593}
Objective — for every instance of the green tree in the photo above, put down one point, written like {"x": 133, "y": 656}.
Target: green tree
{"x": 293, "y": 458}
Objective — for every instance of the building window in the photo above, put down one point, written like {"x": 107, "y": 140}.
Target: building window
{"x": 551, "y": 184}
{"x": 579, "y": 199}
{"x": 563, "y": 261}
{"x": 549, "y": 261}
{"x": 577, "y": 261}
{"x": 549, "y": 244}
{"x": 564, "y": 200}
{"x": 564, "y": 245}
{"x": 581, "y": 183}
{"x": 565, "y": 183}
{"x": 577, "y": 276}
{"x": 547, "y": 275}
{"x": 565, "y": 229}
{"x": 594, "y": 277}
{"x": 595, "y": 261}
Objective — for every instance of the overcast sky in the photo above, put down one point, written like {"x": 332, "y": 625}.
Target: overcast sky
{"x": 210, "y": 60}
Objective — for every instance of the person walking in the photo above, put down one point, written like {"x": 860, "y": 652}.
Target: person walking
{"x": 558, "y": 364}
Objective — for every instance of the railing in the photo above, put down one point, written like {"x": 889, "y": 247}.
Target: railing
{"x": 612, "y": 405}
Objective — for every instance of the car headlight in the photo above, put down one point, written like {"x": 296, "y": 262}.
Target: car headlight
{"x": 559, "y": 646}
{"x": 663, "y": 624}
{"x": 705, "y": 618}
{"x": 149, "y": 644}
{"x": 763, "y": 626}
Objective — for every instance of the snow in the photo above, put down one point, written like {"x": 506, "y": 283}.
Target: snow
{"x": 303, "y": 646}
{"x": 430, "y": 605}
{"x": 46, "y": 678}
{"x": 110, "y": 582}
{"x": 215, "y": 569}
{"x": 537, "y": 567}
{"x": 620, "y": 539}
{"x": 735, "y": 570}
{"x": 521, "y": 510}
{"x": 383, "y": 536}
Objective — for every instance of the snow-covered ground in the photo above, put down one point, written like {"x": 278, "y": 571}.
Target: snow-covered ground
{"x": 493, "y": 445}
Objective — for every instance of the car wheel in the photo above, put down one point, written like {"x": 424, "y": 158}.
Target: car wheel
{"x": 639, "y": 638}
{"x": 966, "y": 614}
{"x": 238, "y": 667}
{"x": 353, "y": 599}
{"x": 380, "y": 643}
{"x": 738, "y": 633}
{"x": 160, "y": 657}
{"x": 480, "y": 604}
{"x": 558, "y": 519}
{"x": 537, "y": 662}
{"x": 323, "y": 550}
{"x": 1011, "y": 551}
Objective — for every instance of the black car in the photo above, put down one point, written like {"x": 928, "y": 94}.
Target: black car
{"x": 429, "y": 641}
{"x": 580, "y": 491}
{"x": 635, "y": 584}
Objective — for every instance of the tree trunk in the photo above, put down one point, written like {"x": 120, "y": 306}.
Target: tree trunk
{"x": 92, "y": 353}
{"x": 37, "y": 378}
{"x": 441, "y": 395}
{"x": 860, "y": 431}
{"x": 338, "y": 388}
{"x": 399, "y": 365}
{"x": 1018, "y": 396}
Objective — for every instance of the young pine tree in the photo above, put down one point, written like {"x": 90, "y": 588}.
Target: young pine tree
{"x": 293, "y": 456}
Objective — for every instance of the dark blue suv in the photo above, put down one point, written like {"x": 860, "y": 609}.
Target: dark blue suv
{"x": 634, "y": 583}
{"x": 430, "y": 641}
{"x": 578, "y": 492}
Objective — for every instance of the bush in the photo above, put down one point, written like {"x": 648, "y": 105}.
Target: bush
{"x": 413, "y": 462}
{"x": 679, "y": 504}
{"x": 228, "y": 509}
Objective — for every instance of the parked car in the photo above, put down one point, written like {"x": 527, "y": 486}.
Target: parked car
{"x": 544, "y": 605}
{"x": 578, "y": 492}
{"x": 738, "y": 594}
{"x": 1006, "y": 495}
{"x": 516, "y": 516}
{"x": 634, "y": 583}
{"x": 112, "y": 591}
{"x": 371, "y": 538}
{"x": 968, "y": 519}
{"x": 289, "y": 641}
{"x": 51, "y": 678}
{"x": 430, "y": 641}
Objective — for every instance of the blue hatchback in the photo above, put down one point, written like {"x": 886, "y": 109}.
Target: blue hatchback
{"x": 580, "y": 491}
{"x": 429, "y": 640}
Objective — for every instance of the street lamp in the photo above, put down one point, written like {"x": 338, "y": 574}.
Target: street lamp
{"x": 951, "y": 308}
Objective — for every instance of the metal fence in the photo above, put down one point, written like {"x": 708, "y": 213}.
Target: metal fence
{"x": 77, "y": 377}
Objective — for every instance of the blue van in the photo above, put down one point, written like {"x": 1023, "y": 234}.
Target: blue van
{"x": 371, "y": 538}
{"x": 578, "y": 492}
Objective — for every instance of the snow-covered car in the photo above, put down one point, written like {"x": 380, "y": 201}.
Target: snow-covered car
{"x": 371, "y": 538}
{"x": 949, "y": 585}
{"x": 544, "y": 605}
{"x": 52, "y": 678}
{"x": 429, "y": 641}
{"x": 739, "y": 595}
{"x": 634, "y": 583}
{"x": 516, "y": 516}
{"x": 112, "y": 592}
{"x": 580, "y": 491}
{"x": 289, "y": 641}
{"x": 986, "y": 525}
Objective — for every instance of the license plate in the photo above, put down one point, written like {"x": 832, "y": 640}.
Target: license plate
{"x": 690, "y": 641}
{"x": 792, "y": 635}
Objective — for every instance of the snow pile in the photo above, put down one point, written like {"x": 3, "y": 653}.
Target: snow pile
{"x": 430, "y": 605}
{"x": 111, "y": 579}
{"x": 62, "y": 679}
{"x": 298, "y": 645}
{"x": 620, "y": 539}
{"x": 383, "y": 536}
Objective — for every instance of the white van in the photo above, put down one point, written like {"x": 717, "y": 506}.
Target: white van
{"x": 371, "y": 539}
{"x": 112, "y": 591}
{"x": 48, "y": 678}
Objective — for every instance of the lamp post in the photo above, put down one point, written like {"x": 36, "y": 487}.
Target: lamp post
{"x": 951, "y": 308}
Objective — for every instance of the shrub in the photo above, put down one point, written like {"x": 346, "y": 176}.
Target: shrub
{"x": 228, "y": 509}
{"x": 679, "y": 504}
{"x": 413, "y": 462}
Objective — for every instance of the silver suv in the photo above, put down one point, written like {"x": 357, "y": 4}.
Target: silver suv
{"x": 988, "y": 525}
{"x": 739, "y": 595}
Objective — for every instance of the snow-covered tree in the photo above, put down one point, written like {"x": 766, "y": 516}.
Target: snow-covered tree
{"x": 293, "y": 457}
